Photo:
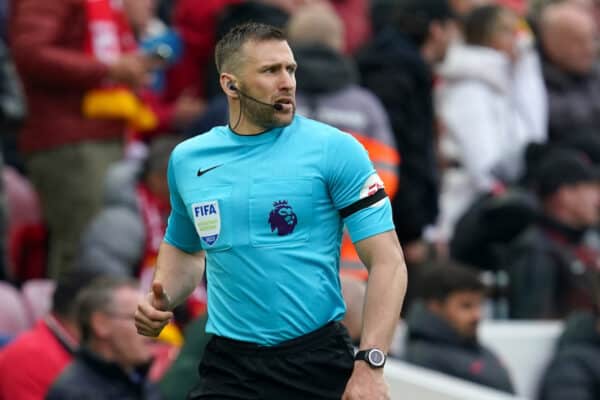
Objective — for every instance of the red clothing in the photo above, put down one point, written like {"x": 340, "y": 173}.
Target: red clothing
{"x": 196, "y": 21}
{"x": 31, "y": 363}
{"x": 47, "y": 40}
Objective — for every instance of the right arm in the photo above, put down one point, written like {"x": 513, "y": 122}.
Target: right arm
{"x": 178, "y": 272}
{"x": 179, "y": 267}
{"x": 177, "y": 275}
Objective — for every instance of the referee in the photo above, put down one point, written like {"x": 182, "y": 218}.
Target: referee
{"x": 262, "y": 203}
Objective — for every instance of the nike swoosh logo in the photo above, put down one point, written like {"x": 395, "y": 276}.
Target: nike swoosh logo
{"x": 203, "y": 171}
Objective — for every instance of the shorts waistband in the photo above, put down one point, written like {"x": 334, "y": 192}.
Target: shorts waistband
{"x": 289, "y": 346}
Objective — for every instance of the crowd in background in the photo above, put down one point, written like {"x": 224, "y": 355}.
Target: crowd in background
{"x": 482, "y": 117}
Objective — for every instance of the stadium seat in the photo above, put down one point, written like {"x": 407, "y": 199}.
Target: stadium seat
{"x": 13, "y": 314}
{"x": 37, "y": 297}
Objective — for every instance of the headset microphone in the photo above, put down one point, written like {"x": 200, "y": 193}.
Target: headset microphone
{"x": 276, "y": 106}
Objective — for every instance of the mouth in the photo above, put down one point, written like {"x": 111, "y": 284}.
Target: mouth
{"x": 287, "y": 103}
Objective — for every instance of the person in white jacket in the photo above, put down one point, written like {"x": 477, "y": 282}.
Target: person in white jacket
{"x": 492, "y": 103}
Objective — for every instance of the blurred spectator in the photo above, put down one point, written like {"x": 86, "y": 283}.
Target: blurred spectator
{"x": 464, "y": 7}
{"x": 574, "y": 373}
{"x": 442, "y": 329}
{"x": 571, "y": 70}
{"x": 166, "y": 47}
{"x": 353, "y": 13}
{"x": 113, "y": 361}
{"x": 26, "y": 233}
{"x": 71, "y": 71}
{"x": 196, "y": 22}
{"x": 328, "y": 91}
{"x": 123, "y": 239}
{"x": 549, "y": 263}
{"x": 488, "y": 121}
{"x": 12, "y": 112}
{"x": 30, "y": 363}
{"x": 397, "y": 67}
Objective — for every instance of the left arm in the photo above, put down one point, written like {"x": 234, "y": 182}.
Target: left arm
{"x": 382, "y": 255}
{"x": 386, "y": 287}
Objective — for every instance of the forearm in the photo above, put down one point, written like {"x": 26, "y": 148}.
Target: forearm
{"x": 386, "y": 288}
{"x": 179, "y": 272}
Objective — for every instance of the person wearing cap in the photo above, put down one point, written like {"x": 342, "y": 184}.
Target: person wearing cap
{"x": 550, "y": 262}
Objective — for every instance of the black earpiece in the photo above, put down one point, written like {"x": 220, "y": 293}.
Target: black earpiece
{"x": 232, "y": 86}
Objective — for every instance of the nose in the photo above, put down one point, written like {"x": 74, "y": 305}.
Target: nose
{"x": 287, "y": 82}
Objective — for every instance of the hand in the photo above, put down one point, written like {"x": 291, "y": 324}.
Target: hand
{"x": 131, "y": 69}
{"x": 366, "y": 383}
{"x": 152, "y": 314}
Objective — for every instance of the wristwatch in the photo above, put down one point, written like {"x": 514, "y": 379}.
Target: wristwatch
{"x": 374, "y": 357}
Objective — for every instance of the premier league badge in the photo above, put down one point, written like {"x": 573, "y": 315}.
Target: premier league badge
{"x": 207, "y": 220}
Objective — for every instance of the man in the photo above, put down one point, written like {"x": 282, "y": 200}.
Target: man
{"x": 114, "y": 359}
{"x": 30, "y": 364}
{"x": 568, "y": 37}
{"x": 398, "y": 67}
{"x": 75, "y": 66}
{"x": 574, "y": 373}
{"x": 264, "y": 200}
{"x": 442, "y": 329}
{"x": 550, "y": 262}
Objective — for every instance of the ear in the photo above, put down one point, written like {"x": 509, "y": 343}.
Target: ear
{"x": 226, "y": 80}
{"x": 100, "y": 325}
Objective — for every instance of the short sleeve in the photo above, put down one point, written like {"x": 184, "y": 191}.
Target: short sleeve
{"x": 356, "y": 189}
{"x": 180, "y": 228}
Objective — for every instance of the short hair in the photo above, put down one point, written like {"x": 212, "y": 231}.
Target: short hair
{"x": 480, "y": 24}
{"x": 414, "y": 17}
{"x": 227, "y": 51}
{"x": 67, "y": 288}
{"x": 98, "y": 297}
{"x": 447, "y": 278}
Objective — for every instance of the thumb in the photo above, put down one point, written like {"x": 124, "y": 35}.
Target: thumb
{"x": 160, "y": 297}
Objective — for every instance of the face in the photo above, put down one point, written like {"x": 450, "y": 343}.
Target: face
{"x": 572, "y": 44}
{"x": 139, "y": 12}
{"x": 583, "y": 204}
{"x": 462, "y": 310}
{"x": 129, "y": 348}
{"x": 504, "y": 37}
{"x": 268, "y": 74}
{"x": 442, "y": 33}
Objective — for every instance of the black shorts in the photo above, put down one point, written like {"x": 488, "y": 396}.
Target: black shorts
{"x": 314, "y": 366}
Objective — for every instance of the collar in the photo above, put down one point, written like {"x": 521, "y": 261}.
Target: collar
{"x": 111, "y": 369}
{"x": 562, "y": 232}
{"x": 61, "y": 334}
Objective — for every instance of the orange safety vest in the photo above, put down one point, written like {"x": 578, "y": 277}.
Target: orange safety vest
{"x": 386, "y": 161}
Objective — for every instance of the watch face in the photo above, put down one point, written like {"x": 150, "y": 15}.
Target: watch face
{"x": 376, "y": 357}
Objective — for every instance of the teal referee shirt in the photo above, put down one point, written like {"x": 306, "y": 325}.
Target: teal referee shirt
{"x": 269, "y": 210}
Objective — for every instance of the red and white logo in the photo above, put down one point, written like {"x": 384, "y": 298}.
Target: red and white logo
{"x": 370, "y": 187}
